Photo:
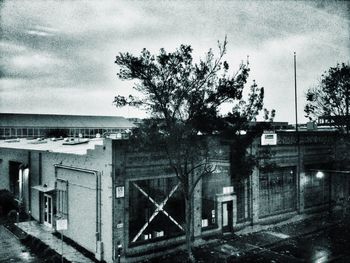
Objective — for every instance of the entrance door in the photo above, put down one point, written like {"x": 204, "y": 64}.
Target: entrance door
{"x": 48, "y": 210}
{"x": 227, "y": 216}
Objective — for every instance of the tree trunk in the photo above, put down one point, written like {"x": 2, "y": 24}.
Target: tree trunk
{"x": 189, "y": 229}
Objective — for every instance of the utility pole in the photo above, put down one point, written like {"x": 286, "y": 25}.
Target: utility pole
{"x": 295, "y": 93}
{"x": 297, "y": 134}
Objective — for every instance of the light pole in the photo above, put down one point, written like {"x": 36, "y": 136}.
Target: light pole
{"x": 297, "y": 133}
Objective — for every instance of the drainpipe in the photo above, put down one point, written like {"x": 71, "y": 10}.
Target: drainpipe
{"x": 29, "y": 183}
{"x": 98, "y": 194}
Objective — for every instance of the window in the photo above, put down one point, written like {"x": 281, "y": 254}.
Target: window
{"x": 156, "y": 209}
{"x": 316, "y": 190}
{"x": 277, "y": 191}
{"x": 62, "y": 198}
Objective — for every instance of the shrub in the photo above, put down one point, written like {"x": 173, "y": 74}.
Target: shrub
{"x": 7, "y": 202}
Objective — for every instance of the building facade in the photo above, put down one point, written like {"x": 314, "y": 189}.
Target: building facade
{"x": 120, "y": 202}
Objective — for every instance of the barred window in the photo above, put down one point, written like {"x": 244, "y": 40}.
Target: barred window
{"x": 277, "y": 190}
{"x": 62, "y": 198}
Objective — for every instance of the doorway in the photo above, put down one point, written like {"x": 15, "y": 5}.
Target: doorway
{"x": 48, "y": 211}
{"x": 227, "y": 216}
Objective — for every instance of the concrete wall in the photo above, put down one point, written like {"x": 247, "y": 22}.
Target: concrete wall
{"x": 316, "y": 150}
{"x": 82, "y": 203}
{"x": 81, "y": 193}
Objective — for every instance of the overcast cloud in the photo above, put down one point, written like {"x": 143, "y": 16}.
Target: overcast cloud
{"x": 58, "y": 56}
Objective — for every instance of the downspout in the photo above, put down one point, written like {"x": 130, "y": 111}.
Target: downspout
{"x": 41, "y": 205}
{"x": 29, "y": 183}
{"x": 98, "y": 194}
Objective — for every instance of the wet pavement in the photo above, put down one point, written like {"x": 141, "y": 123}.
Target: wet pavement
{"x": 12, "y": 250}
{"x": 327, "y": 245}
{"x": 316, "y": 240}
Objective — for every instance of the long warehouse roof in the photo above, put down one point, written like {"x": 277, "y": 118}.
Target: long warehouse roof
{"x": 14, "y": 120}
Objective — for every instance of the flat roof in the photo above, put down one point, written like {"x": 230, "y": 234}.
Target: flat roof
{"x": 48, "y": 145}
{"x": 63, "y": 121}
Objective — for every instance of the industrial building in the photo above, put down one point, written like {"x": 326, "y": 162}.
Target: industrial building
{"x": 119, "y": 201}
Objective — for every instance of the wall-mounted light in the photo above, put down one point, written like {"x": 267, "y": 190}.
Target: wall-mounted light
{"x": 319, "y": 175}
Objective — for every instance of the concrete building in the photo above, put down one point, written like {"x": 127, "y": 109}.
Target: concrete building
{"x": 53, "y": 180}
{"x": 119, "y": 201}
{"x": 18, "y": 125}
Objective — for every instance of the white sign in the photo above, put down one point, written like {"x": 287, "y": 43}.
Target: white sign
{"x": 227, "y": 190}
{"x": 269, "y": 139}
{"x": 61, "y": 224}
{"x": 119, "y": 191}
{"x": 204, "y": 222}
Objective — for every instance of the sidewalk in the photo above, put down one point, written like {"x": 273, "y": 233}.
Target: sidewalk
{"x": 34, "y": 229}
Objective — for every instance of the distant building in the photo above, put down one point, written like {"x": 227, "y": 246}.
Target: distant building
{"x": 17, "y": 125}
{"x": 120, "y": 201}
{"x": 275, "y": 125}
{"x": 338, "y": 121}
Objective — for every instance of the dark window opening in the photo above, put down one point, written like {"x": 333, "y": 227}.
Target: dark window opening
{"x": 156, "y": 210}
{"x": 316, "y": 189}
{"x": 14, "y": 174}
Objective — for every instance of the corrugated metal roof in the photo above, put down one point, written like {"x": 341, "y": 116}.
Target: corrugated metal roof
{"x": 62, "y": 121}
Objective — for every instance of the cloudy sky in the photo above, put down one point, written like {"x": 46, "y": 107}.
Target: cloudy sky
{"x": 58, "y": 56}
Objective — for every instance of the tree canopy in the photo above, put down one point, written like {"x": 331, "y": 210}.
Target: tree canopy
{"x": 179, "y": 91}
{"x": 330, "y": 98}
{"x": 185, "y": 100}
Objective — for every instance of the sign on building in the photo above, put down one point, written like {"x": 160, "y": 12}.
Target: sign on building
{"x": 227, "y": 190}
{"x": 269, "y": 138}
{"x": 119, "y": 191}
{"x": 61, "y": 224}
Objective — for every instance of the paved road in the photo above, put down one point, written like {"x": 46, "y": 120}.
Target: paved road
{"x": 12, "y": 250}
{"x": 328, "y": 245}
